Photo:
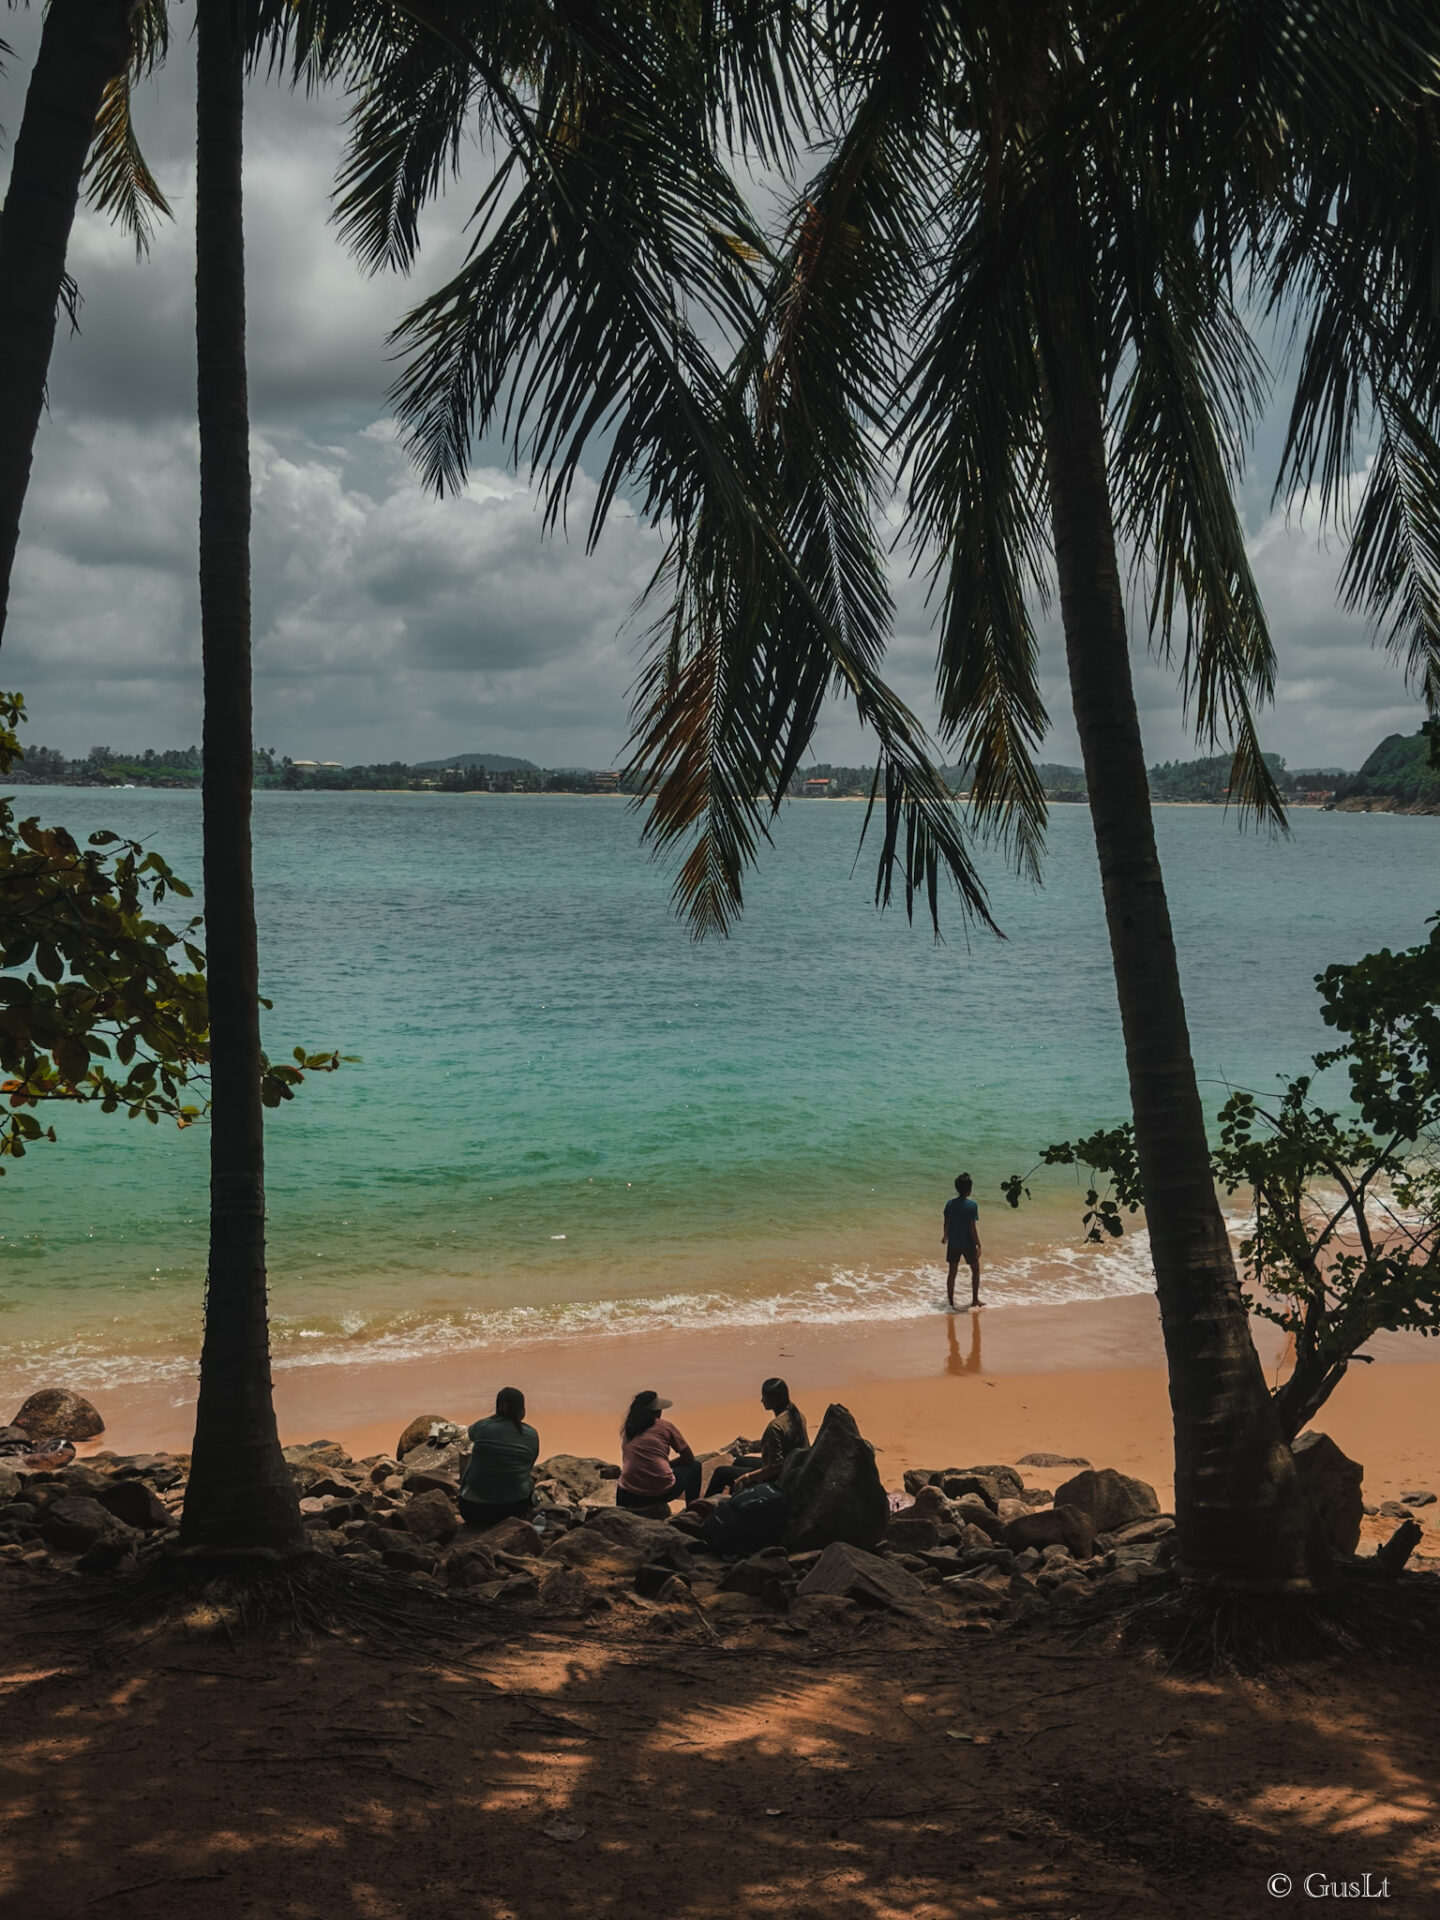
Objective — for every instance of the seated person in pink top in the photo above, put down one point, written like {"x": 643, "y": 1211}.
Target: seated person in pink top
{"x": 647, "y": 1478}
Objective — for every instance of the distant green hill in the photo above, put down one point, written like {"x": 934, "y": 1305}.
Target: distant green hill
{"x": 491, "y": 762}
{"x": 1401, "y": 772}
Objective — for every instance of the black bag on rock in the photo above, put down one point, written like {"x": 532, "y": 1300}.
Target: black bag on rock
{"x": 755, "y": 1517}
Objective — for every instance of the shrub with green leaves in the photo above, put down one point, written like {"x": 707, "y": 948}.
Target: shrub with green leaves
{"x": 1344, "y": 1241}
{"x": 102, "y": 1002}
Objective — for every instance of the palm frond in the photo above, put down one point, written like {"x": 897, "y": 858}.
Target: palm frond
{"x": 1392, "y": 568}
{"x": 407, "y": 130}
{"x": 748, "y": 652}
{"x": 970, "y": 434}
{"x": 117, "y": 179}
{"x": 1193, "y": 388}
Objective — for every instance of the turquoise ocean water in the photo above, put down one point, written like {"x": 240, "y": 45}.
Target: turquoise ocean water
{"x": 569, "y": 1116}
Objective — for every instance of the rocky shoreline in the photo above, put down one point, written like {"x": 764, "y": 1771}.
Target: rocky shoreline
{"x": 981, "y": 1542}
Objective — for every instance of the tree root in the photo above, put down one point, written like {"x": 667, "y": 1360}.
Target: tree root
{"x": 1205, "y": 1630}
{"x": 306, "y": 1594}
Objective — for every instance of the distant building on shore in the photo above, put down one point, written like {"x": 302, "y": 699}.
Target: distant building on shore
{"x": 816, "y": 789}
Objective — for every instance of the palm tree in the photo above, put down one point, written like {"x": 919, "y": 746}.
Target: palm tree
{"x": 624, "y": 221}
{"x": 241, "y": 1495}
{"x": 76, "y": 121}
{"x": 1016, "y": 266}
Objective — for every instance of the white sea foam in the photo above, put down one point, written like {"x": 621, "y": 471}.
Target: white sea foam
{"x": 1053, "y": 1276}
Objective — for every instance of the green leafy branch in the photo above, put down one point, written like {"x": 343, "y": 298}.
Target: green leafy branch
{"x": 1345, "y": 1237}
{"x": 102, "y": 1002}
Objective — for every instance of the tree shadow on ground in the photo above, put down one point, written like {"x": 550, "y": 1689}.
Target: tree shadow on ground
{"x": 633, "y": 1762}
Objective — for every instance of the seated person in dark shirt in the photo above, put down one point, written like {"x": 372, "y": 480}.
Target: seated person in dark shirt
{"x": 496, "y": 1482}
{"x": 786, "y": 1432}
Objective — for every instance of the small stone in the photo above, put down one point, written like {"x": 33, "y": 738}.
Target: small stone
{"x": 520, "y": 1587}
{"x": 741, "y": 1604}
{"x": 76, "y": 1522}
{"x": 973, "y": 1593}
{"x": 9, "y": 1484}
{"x": 84, "y": 1479}
{"x": 469, "y": 1565}
{"x": 757, "y": 1575}
{"x": 649, "y": 1580}
{"x": 1011, "y": 1483}
{"x": 429, "y": 1480}
{"x": 431, "y": 1516}
{"x": 137, "y": 1505}
{"x": 410, "y": 1557}
{"x": 979, "y": 1557}
{"x": 565, "y": 1591}
{"x": 1418, "y": 1499}
{"x": 54, "y": 1413}
{"x": 1052, "y": 1460}
{"x": 810, "y": 1610}
{"x": 331, "y": 1485}
{"x": 1068, "y": 1526}
{"x": 944, "y": 1560}
{"x": 112, "y": 1553}
{"x": 981, "y": 1486}
{"x": 912, "y": 1532}
{"x": 971, "y": 1511}
{"x": 506, "y": 1536}
{"x": 930, "y": 1503}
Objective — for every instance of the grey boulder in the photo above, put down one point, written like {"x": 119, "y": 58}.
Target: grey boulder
{"x": 1332, "y": 1482}
{"x": 1112, "y": 1500}
{"x": 833, "y": 1488}
{"x": 137, "y": 1505}
{"x": 57, "y": 1414}
{"x": 1064, "y": 1526}
{"x": 848, "y": 1572}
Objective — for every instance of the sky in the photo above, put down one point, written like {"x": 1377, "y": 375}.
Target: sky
{"x": 390, "y": 624}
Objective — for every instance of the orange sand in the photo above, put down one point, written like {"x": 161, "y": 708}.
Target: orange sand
{"x": 1085, "y": 1379}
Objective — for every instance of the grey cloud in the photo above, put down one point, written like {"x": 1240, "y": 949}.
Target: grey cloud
{"x": 389, "y": 624}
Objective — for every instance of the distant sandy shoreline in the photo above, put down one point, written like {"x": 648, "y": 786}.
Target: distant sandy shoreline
{"x": 1085, "y": 1379}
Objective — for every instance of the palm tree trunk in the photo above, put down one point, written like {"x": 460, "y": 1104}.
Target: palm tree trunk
{"x": 240, "y": 1495}
{"x": 84, "y": 44}
{"x": 1240, "y": 1518}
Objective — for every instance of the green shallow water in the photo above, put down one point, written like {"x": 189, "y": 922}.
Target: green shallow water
{"x": 749, "y": 1130}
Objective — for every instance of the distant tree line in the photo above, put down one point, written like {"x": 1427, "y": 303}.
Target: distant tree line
{"x": 1205, "y": 780}
{"x": 1399, "y": 769}
{"x": 182, "y": 766}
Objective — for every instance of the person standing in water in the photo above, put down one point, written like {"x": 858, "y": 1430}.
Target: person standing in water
{"x": 961, "y": 1235}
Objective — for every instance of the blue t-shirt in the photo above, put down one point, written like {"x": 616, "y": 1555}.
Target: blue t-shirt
{"x": 961, "y": 1217}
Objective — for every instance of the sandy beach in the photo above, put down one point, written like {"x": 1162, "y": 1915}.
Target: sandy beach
{"x": 1086, "y": 1379}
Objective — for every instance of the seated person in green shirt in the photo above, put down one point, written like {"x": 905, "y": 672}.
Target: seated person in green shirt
{"x": 496, "y": 1482}
{"x": 786, "y": 1432}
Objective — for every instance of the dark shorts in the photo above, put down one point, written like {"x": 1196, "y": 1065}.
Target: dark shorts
{"x": 960, "y": 1250}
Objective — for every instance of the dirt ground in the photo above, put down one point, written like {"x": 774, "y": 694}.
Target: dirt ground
{"x": 645, "y": 1761}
